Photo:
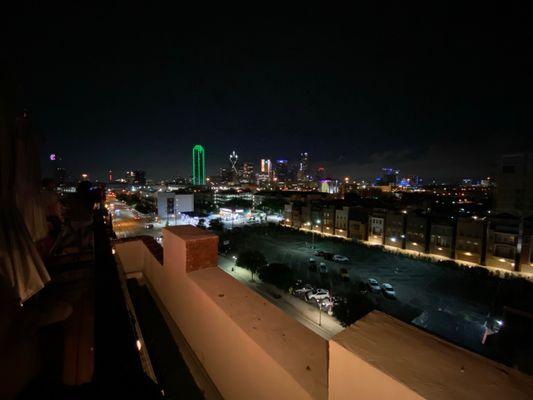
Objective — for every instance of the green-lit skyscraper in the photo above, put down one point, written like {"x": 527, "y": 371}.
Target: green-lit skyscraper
{"x": 198, "y": 165}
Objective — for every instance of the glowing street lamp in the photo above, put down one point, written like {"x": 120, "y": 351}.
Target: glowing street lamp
{"x": 319, "y": 312}
{"x": 234, "y": 263}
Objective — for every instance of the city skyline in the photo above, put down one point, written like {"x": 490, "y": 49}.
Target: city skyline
{"x": 441, "y": 95}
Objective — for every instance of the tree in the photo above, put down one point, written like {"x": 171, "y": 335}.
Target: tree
{"x": 252, "y": 260}
{"x": 216, "y": 225}
{"x": 280, "y": 275}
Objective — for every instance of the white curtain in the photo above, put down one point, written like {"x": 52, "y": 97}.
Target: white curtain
{"x": 20, "y": 264}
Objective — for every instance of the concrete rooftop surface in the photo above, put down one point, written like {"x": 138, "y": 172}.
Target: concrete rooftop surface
{"x": 433, "y": 368}
{"x": 301, "y": 352}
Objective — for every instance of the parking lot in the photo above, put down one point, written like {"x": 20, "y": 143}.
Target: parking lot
{"x": 446, "y": 304}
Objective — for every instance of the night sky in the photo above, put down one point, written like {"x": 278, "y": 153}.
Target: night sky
{"x": 437, "y": 93}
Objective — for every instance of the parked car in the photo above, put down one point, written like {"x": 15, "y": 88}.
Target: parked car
{"x": 327, "y": 305}
{"x": 304, "y": 289}
{"x": 388, "y": 290}
{"x": 344, "y": 274}
{"x": 149, "y": 226}
{"x": 340, "y": 259}
{"x": 323, "y": 268}
{"x": 319, "y": 253}
{"x": 327, "y": 302}
{"x": 318, "y": 294}
{"x": 374, "y": 285}
{"x": 328, "y": 256}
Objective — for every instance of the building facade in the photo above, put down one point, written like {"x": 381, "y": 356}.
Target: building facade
{"x": 395, "y": 229}
{"x": 442, "y": 236}
{"x": 198, "y": 165}
{"x": 170, "y": 204}
{"x": 471, "y": 240}
{"x": 376, "y": 226}
{"x": 502, "y": 241}
{"x": 514, "y": 185}
{"x": 417, "y": 233}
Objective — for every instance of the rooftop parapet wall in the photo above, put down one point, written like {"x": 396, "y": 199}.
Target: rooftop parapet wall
{"x": 380, "y": 357}
{"x": 249, "y": 347}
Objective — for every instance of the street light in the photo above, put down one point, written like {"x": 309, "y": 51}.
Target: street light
{"x": 234, "y": 263}
{"x": 313, "y": 231}
{"x": 319, "y": 312}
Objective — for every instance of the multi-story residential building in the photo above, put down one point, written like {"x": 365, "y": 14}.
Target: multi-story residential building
{"x": 471, "y": 239}
{"x": 317, "y": 216}
{"x": 296, "y": 218}
{"x": 358, "y": 229}
{"x": 417, "y": 232}
{"x": 306, "y": 215}
{"x": 395, "y": 229}
{"x": 328, "y": 215}
{"x": 341, "y": 221}
{"x": 358, "y": 224}
{"x": 376, "y": 225}
{"x": 502, "y": 241}
{"x": 514, "y": 187}
{"x": 442, "y": 236}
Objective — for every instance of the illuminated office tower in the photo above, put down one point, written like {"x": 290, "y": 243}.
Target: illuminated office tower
{"x": 266, "y": 166}
{"x": 198, "y": 165}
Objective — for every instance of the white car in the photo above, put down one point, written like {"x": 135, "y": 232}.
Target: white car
{"x": 374, "y": 285}
{"x": 327, "y": 303}
{"x": 388, "y": 290}
{"x": 319, "y": 294}
{"x": 339, "y": 258}
{"x": 303, "y": 290}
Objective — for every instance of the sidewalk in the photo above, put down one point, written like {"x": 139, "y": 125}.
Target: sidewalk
{"x": 303, "y": 312}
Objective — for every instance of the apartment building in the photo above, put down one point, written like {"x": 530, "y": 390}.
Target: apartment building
{"x": 341, "y": 221}
{"x": 376, "y": 226}
{"x": 502, "y": 241}
{"x": 442, "y": 236}
{"x": 395, "y": 229}
{"x": 471, "y": 239}
{"x": 329, "y": 219}
{"x": 417, "y": 233}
